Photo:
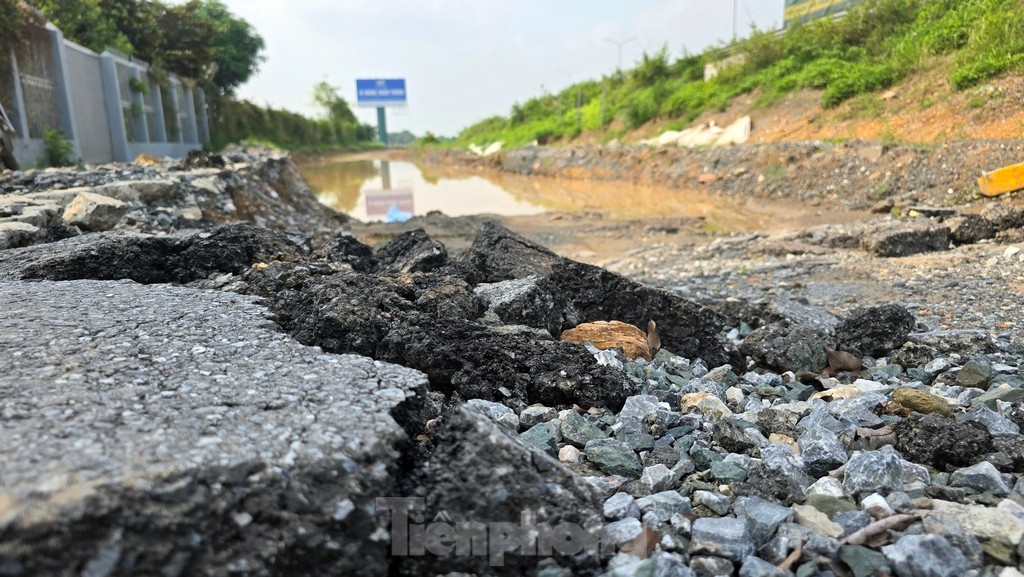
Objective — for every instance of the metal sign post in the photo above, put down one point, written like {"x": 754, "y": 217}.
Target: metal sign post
{"x": 381, "y": 93}
{"x": 382, "y": 125}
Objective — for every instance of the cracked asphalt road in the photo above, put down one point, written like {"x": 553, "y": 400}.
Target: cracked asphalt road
{"x": 114, "y": 380}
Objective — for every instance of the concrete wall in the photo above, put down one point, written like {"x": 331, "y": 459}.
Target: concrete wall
{"x": 107, "y": 105}
{"x": 90, "y": 111}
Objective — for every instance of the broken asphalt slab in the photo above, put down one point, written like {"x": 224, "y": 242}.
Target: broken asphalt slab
{"x": 152, "y": 429}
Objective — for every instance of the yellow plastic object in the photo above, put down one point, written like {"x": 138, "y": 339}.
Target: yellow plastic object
{"x": 1002, "y": 180}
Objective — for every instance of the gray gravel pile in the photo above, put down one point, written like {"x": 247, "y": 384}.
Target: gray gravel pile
{"x": 898, "y": 470}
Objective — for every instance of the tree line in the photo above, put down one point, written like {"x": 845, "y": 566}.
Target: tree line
{"x": 201, "y": 40}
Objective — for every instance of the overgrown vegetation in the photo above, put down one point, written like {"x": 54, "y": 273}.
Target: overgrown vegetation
{"x": 203, "y": 42}
{"x": 199, "y": 39}
{"x": 59, "y": 150}
{"x": 239, "y": 121}
{"x": 876, "y": 45}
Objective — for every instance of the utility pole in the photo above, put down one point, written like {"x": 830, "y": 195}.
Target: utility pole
{"x": 579, "y": 107}
{"x": 735, "y": 13}
{"x": 620, "y": 44}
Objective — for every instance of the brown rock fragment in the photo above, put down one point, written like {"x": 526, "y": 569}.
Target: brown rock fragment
{"x": 611, "y": 334}
{"x": 921, "y": 401}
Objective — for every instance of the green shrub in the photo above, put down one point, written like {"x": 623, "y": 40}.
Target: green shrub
{"x": 138, "y": 86}
{"x": 857, "y": 79}
{"x": 995, "y": 45}
{"x": 59, "y": 150}
{"x": 652, "y": 68}
{"x": 641, "y": 107}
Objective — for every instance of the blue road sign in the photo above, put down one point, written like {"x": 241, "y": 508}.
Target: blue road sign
{"x": 380, "y": 92}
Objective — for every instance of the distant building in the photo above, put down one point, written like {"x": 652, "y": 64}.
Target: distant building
{"x": 804, "y": 10}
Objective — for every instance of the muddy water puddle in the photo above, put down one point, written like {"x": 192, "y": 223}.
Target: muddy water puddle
{"x": 389, "y": 190}
{"x": 383, "y": 190}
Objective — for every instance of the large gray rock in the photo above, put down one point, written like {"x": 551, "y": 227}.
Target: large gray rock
{"x": 130, "y": 411}
{"x": 975, "y": 373}
{"x": 787, "y": 347}
{"x": 94, "y": 212}
{"x": 614, "y": 457}
{"x": 16, "y": 234}
{"x": 996, "y": 424}
{"x": 660, "y": 564}
{"x": 763, "y": 517}
{"x": 579, "y": 430}
{"x": 963, "y": 342}
{"x": 980, "y": 477}
{"x": 1003, "y": 216}
{"x": 969, "y": 228}
{"x": 862, "y": 561}
{"x": 497, "y": 411}
{"x": 530, "y": 301}
{"x": 726, "y": 537}
{"x": 620, "y": 506}
{"x": 875, "y": 331}
{"x": 798, "y": 312}
{"x": 822, "y": 451}
{"x": 148, "y": 191}
{"x": 663, "y": 505}
{"x": 412, "y": 251}
{"x": 871, "y": 471}
{"x": 925, "y": 556}
{"x": 942, "y": 442}
{"x": 757, "y": 567}
{"x": 781, "y": 477}
{"x": 544, "y": 436}
{"x": 906, "y": 240}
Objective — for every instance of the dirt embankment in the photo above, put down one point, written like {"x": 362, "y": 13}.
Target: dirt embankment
{"x": 847, "y": 176}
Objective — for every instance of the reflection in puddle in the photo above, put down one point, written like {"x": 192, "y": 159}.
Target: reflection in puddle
{"x": 378, "y": 189}
{"x": 371, "y": 189}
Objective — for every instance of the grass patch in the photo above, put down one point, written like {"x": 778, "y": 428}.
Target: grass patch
{"x": 876, "y": 45}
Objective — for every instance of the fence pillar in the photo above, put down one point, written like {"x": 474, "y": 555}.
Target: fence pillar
{"x": 62, "y": 86}
{"x": 115, "y": 116}
{"x": 203, "y": 116}
{"x": 18, "y": 114}
{"x": 139, "y": 103}
{"x": 158, "y": 115}
{"x": 190, "y": 115}
{"x": 177, "y": 134}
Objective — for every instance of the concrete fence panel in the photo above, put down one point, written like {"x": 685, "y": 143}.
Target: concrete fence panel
{"x": 38, "y": 82}
{"x": 90, "y": 109}
{"x": 108, "y": 105}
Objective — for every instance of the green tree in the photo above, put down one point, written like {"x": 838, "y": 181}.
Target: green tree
{"x": 10, "y": 30}
{"x": 187, "y": 41}
{"x": 238, "y": 49}
{"x": 138, "y": 21}
{"x": 85, "y": 22}
{"x": 329, "y": 98}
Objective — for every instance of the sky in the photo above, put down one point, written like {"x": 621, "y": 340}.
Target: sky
{"x": 465, "y": 60}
